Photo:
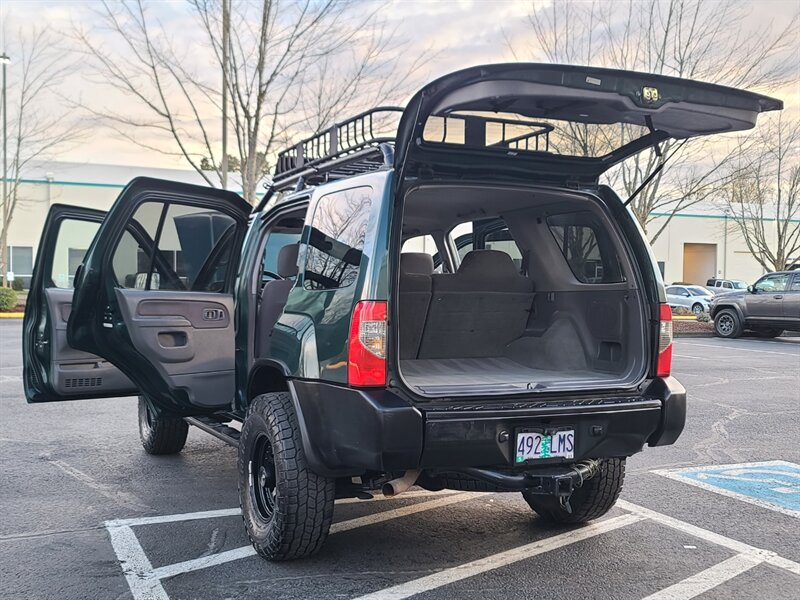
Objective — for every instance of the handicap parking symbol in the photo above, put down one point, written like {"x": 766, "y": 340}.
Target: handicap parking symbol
{"x": 772, "y": 484}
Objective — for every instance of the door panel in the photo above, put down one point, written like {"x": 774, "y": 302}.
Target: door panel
{"x": 74, "y": 371}
{"x": 155, "y": 295}
{"x": 53, "y": 369}
{"x": 189, "y": 334}
{"x": 767, "y": 302}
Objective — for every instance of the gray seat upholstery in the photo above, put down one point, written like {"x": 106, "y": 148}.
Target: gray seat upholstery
{"x": 477, "y": 311}
{"x": 416, "y": 269}
{"x": 274, "y": 295}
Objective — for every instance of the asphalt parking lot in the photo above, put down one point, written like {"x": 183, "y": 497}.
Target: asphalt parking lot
{"x": 87, "y": 514}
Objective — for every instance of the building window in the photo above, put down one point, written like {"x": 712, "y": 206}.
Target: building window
{"x": 20, "y": 263}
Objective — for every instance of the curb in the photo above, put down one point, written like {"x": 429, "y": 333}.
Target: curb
{"x": 12, "y": 315}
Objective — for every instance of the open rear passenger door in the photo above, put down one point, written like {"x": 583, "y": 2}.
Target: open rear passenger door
{"x": 53, "y": 370}
{"x": 154, "y": 295}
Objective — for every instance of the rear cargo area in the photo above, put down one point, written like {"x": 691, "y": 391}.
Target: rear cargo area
{"x": 524, "y": 290}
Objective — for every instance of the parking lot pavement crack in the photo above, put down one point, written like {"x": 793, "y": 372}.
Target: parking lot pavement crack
{"x": 712, "y": 448}
{"x": 109, "y": 491}
{"x": 13, "y": 537}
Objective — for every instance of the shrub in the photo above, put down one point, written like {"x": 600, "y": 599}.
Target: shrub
{"x": 16, "y": 285}
{"x": 8, "y": 299}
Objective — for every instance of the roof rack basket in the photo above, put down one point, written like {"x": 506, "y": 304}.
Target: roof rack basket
{"x": 358, "y": 145}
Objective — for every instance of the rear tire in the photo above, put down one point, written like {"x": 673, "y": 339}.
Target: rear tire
{"x": 286, "y": 507}
{"x": 160, "y": 434}
{"x": 590, "y": 501}
{"x": 727, "y": 324}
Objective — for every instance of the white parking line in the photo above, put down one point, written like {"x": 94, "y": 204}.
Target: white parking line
{"x": 714, "y": 538}
{"x": 145, "y": 581}
{"x": 679, "y": 475}
{"x": 747, "y": 349}
{"x": 495, "y": 561}
{"x": 707, "y": 580}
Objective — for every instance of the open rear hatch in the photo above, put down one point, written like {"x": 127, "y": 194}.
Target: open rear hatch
{"x": 469, "y": 109}
{"x": 566, "y": 310}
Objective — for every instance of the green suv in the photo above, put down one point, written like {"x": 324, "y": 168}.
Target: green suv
{"x": 442, "y": 296}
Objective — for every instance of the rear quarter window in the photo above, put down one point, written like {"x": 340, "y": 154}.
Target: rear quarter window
{"x": 587, "y": 248}
{"x": 336, "y": 239}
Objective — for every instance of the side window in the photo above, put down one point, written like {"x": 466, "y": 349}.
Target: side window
{"x": 72, "y": 242}
{"x": 587, "y": 248}
{"x": 727, "y": 285}
{"x": 795, "y": 287}
{"x": 336, "y": 239}
{"x": 174, "y": 247}
{"x": 673, "y": 291}
{"x": 772, "y": 283}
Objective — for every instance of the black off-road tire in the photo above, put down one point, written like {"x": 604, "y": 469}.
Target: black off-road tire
{"x": 590, "y": 501}
{"x": 286, "y": 507}
{"x": 727, "y": 324}
{"x": 161, "y": 434}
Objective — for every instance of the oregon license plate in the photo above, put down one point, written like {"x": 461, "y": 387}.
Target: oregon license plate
{"x": 533, "y": 445}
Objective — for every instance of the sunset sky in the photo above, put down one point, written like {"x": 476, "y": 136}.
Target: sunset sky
{"x": 457, "y": 33}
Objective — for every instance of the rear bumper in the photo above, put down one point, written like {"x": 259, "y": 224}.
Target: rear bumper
{"x": 347, "y": 431}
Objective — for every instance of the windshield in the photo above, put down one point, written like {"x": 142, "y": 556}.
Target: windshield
{"x": 739, "y": 285}
{"x": 698, "y": 291}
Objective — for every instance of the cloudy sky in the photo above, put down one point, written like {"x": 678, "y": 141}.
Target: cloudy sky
{"x": 456, "y": 33}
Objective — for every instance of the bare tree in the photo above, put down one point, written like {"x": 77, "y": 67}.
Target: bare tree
{"x": 695, "y": 39}
{"x": 291, "y": 67}
{"x": 37, "y": 128}
{"x": 762, "y": 194}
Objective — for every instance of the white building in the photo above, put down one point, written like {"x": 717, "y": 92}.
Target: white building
{"x": 695, "y": 246}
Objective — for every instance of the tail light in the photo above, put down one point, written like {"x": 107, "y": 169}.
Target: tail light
{"x": 664, "y": 366}
{"x": 366, "y": 355}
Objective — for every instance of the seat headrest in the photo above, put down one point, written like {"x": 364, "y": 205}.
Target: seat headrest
{"x": 287, "y": 260}
{"x": 416, "y": 263}
{"x": 490, "y": 264}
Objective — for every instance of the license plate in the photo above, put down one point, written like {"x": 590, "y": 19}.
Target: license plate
{"x": 533, "y": 445}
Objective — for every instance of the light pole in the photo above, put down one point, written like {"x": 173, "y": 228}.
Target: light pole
{"x": 4, "y": 59}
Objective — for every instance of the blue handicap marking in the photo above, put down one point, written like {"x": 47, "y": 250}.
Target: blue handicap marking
{"x": 774, "y": 484}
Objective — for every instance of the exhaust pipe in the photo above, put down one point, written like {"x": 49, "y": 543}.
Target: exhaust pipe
{"x": 400, "y": 485}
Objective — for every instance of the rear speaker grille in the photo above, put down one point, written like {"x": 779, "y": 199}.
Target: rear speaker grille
{"x": 76, "y": 382}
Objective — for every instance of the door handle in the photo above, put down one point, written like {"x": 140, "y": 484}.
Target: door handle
{"x": 778, "y": 296}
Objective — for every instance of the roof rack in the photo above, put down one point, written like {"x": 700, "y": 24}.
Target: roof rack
{"x": 358, "y": 145}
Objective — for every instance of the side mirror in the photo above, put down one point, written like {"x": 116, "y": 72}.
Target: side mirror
{"x": 686, "y": 294}
{"x": 751, "y": 289}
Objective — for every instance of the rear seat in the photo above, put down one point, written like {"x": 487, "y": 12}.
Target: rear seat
{"x": 477, "y": 311}
{"x": 416, "y": 269}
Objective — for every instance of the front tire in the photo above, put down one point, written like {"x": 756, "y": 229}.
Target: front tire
{"x": 286, "y": 507}
{"x": 698, "y": 309}
{"x": 590, "y": 501}
{"x": 727, "y": 324}
{"x": 160, "y": 434}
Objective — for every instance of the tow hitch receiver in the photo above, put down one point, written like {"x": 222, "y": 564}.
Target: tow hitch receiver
{"x": 558, "y": 481}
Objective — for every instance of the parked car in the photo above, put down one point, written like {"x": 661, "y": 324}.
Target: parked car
{"x": 693, "y": 297}
{"x": 724, "y": 286}
{"x": 767, "y": 308}
{"x": 535, "y": 365}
